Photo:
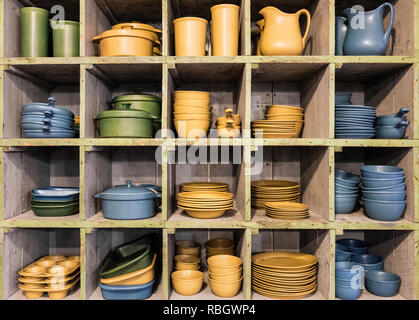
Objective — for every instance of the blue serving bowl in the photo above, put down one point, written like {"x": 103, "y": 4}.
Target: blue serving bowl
{"x": 345, "y": 204}
{"x": 342, "y": 188}
{"x": 356, "y": 246}
{"x": 346, "y": 178}
{"x": 347, "y": 293}
{"x": 383, "y": 284}
{"x": 380, "y": 172}
{"x": 126, "y": 292}
{"x": 347, "y": 270}
{"x": 384, "y": 210}
{"x": 395, "y": 188}
{"x": 369, "y": 261}
{"x": 342, "y": 253}
{"x": 390, "y": 132}
{"x": 384, "y": 196}
{"x": 381, "y": 183}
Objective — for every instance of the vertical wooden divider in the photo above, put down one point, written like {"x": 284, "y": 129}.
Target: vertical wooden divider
{"x": 416, "y": 182}
{"x": 83, "y": 28}
{"x": 331, "y": 183}
{"x": 332, "y": 235}
{"x": 83, "y": 264}
{"x": 165, "y": 269}
{"x": 416, "y": 266}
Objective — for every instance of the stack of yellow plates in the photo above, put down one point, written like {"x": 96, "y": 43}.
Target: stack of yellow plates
{"x": 205, "y": 204}
{"x": 204, "y": 186}
{"x": 277, "y": 129}
{"x": 274, "y": 191}
{"x": 286, "y": 210}
{"x": 284, "y": 275}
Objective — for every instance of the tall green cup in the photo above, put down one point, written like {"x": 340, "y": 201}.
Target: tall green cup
{"x": 65, "y": 38}
{"x": 34, "y": 32}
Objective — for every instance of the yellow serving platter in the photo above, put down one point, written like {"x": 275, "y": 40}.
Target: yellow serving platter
{"x": 284, "y": 260}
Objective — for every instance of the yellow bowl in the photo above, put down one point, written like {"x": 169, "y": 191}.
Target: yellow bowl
{"x": 224, "y": 263}
{"x": 285, "y": 118}
{"x": 187, "y": 259}
{"x": 186, "y": 247}
{"x": 187, "y": 282}
{"x": 222, "y": 121}
{"x": 182, "y": 266}
{"x": 227, "y": 277}
{"x": 225, "y": 289}
{"x": 192, "y": 116}
{"x": 69, "y": 263}
{"x": 45, "y": 263}
{"x": 192, "y": 128}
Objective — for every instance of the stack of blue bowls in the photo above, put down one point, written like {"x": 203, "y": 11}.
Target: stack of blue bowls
{"x": 383, "y": 192}
{"x": 346, "y": 191}
{"x": 392, "y": 126}
{"x": 353, "y": 121}
{"x": 46, "y": 120}
{"x": 348, "y": 247}
{"x": 349, "y": 280}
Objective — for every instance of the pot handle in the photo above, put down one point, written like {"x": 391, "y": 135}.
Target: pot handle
{"x": 97, "y": 39}
{"x": 402, "y": 111}
{"x": 299, "y": 13}
{"x": 157, "y": 193}
{"x": 402, "y": 124}
{"x": 98, "y": 195}
{"x": 390, "y": 26}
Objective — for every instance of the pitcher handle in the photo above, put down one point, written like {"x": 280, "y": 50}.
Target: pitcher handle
{"x": 299, "y": 13}
{"x": 390, "y": 26}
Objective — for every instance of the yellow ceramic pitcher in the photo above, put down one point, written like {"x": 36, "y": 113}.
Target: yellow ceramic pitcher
{"x": 281, "y": 35}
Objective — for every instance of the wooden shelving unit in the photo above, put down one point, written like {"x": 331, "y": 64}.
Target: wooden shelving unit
{"x": 247, "y": 83}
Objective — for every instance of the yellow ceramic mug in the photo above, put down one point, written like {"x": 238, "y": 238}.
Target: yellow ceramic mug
{"x": 190, "y": 36}
{"x": 225, "y": 30}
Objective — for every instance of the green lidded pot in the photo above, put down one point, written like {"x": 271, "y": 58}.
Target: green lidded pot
{"x": 34, "y": 32}
{"x": 145, "y": 102}
{"x": 65, "y": 38}
{"x": 126, "y": 123}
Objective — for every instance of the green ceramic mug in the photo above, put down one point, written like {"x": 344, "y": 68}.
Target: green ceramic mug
{"x": 65, "y": 38}
{"x": 34, "y": 32}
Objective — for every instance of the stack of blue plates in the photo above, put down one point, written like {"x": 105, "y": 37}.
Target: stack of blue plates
{"x": 45, "y": 120}
{"x": 354, "y": 122}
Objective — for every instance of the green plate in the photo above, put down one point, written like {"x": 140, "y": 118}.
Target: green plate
{"x": 56, "y": 211}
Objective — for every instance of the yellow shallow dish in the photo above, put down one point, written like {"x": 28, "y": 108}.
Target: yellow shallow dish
{"x": 201, "y": 214}
{"x": 134, "y": 278}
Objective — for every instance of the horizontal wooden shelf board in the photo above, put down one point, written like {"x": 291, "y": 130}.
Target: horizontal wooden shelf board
{"x": 291, "y": 142}
{"x": 157, "y": 295}
{"x": 373, "y": 59}
{"x": 74, "y": 295}
{"x": 261, "y": 221}
{"x": 374, "y": 142}
{"x": 29, "y": 219}
{"x": 314, "y": 296}
{"x": 121, "y": 142}
{"x": 365, "y": 295}
{"x": 205, "y": 142}
{"x": 98, "y": 221}
{"x": 205, "y": 293}
{"x": 83, "y": 60}
{"x": 40, "y": 142}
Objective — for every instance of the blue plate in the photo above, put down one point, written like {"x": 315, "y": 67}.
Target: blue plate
{"x": 42, "y": 126}
{"x": 49, "y": 134}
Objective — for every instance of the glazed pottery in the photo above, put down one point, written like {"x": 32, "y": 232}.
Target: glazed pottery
{"x": 225, "y": 289}
{"x": 392, "y": 119}
{"x": 342, "y": 253}
{"x": 347, "y": 292}
{"x": 34, "y": 32}
{"x": 65, "y": 38}
{"x": 281, "y": 33}
{"x": 260, "y": 24}
{"x": 370, "y": 39}
{"x": 379, "y": 172}
{"x": 383, "y": 284}
{"x": 371, "y": 183}
{"x": 384, "y": 210}
{"x": 145, "y": 102}
{"x": 155, "y": 33}
{"x": 392, "y": 132}
{"x": 190, "y": 36}
{"x": 126, "y": 292}
{"x": 122, "y": 42}
{"x": 185, "y": 247}
{"x": 187, "y": 282}
{"x": 369, "y": 261}
{"x": 340, "y": 33}
{"x": 225, "y": 30}
{"x": 355, "y": 245}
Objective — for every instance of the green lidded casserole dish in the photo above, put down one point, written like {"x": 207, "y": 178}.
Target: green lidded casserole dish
{"x": 127, "y": 123}
{"x": 145, "y": 102}
{"x": 56, "y": 211}
{"x": 130, "y": 257}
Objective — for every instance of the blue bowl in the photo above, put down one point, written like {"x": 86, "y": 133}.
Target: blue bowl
{"x": 381, "y": 183}
{"x": 342, "y": 188}
{"x": 347, "y": 177}
{"x": 395, "y": 188}
{"x": 389, "y": 120}
{"x": 346, "y": 193}
{"x": 384, "y": 196}
{"x": 356, "y": 246}
{"x": 347, "y": 270}
{"x": 384, "y": 210}
{"x": 383, "y": 284}
{"x": 345, "y": 205}
{"x": 347, "y": 293}
{"x": 380, "y": 172}
{"x": 126, "y": 292}
{"x": 389, "y": 132}
{"x": 342, "y": 253}
{"x": 356, "y": 282}
{"x": 369, "y": 261}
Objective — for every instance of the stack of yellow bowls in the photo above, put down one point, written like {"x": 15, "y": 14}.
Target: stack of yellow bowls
{"x": 192, "y": 114}
{"x": 274, "y": 191}
{"x": 205, "y": 204}
{"x": 219, "y": 246}
{"x": 229, "y": 125}
{"x": 225, "y": 275}
{"x": 281, "y": 122}
{"x": 186, "y": 247}
{"x": 204, "y": 186}
{"x": 286, "y": 210}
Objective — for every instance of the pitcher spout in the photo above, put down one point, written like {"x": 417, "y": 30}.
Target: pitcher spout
{"x": 269, "y": 10}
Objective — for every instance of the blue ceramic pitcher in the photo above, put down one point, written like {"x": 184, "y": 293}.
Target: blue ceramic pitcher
{"x": 340, "y": 33}
{"x": 368, "y": 38}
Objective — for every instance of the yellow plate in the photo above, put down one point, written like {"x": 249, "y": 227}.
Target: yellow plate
{"x": 284, "y": 260}
{"x": 205, "y": 195}
{"x": 199, "y": 214}
{"x": 205, "y": 185}
{"x": 284, "y": 288}
{"x": 280, "y": 291}
{"x": 280, "y": 280}
{"x": 288, "y": 206}
{"x": 296, "y": 273}
{"x": 282, "y": 296}
{"x": 202, "y": 205}
{"x": 299, "y": 276}
{"x": 280, "y": 184}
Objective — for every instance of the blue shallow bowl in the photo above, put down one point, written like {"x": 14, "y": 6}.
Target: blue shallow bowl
{"x": 342, "y": 253}
{"x": 390, "y": 132}
{"x": 345, "y": 176}
{"x": 343, "y": 188}
{"x": 395, "y": 188}
{"x": 383, "y": 284}
{"x": 126, "y": 292}
{"x": 345, "y": 205}
{"x": 389, "y": 120}
{"x": 380, "y": 172}
{"x": 384, "y": 196}
{"x": 347, "y": 293}
{"x": 381, "y": 183}
{"x": 384, "y": 210}
{"x": 347, "y": 270}
{"x": 356, "y": 246}
{"x": 369, "y": 261}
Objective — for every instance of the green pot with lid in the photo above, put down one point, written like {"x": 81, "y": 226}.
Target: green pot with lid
{"x": 145, "y": 102}
{"x": 126, "y": 123}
